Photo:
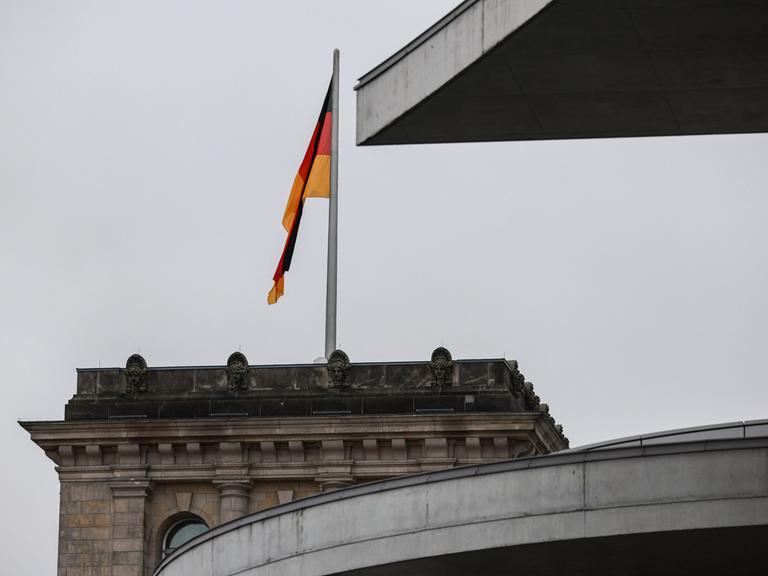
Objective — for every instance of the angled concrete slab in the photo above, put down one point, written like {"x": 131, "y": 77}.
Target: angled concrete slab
{"x": 554, "y": 69}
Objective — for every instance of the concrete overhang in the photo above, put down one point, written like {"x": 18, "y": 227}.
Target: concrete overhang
{"x": 495, "y": 70}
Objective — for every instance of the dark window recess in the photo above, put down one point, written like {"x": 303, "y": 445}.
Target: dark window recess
{"x": 182, "y": 532}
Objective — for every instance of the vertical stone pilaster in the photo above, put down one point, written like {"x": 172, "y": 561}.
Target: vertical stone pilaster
{"x": 332, "y": 450}
{"x": 371, "y": 449}
{"x": 233, "y": 498}
{"x": 333, "y": 471}
{"x": 268, "y": 452}
{"x": 93, "y": 454}
{"x": 129, "y": 509}
{"x": 436, "y": 448}
{"x": 166, "y": 453}
{"x": 474, "y": 451}
{"x": 84, "y": 529}
{"x": 501, "y": 447}
{"x": 233, "y": 483}
{"x": 296, "y": 450}
{"x": 436, "y": 455}
{"x": 399, "y": 449}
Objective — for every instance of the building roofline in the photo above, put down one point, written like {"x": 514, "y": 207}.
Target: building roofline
{"x": 724, "y": 431}
{"x": 302, "y": 365}
{"x": 415, "y": 43}
{"x": 248, "y": 423}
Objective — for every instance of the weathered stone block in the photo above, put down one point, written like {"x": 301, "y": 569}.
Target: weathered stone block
{"x": 67, "y": 533}
{"x": 128, "y": 518}
{"x": 75, "y": 520}
{"x": 85, "y": 547}
{"x": 119, "y": 532}
{"x": 86, "y": 571}
{"x": 128, "y": 545}
{"x": 87, "y": 520}
{"x": 126, "y": 558}
{"x": 94, "y": 533}
{"x": 70, "y": 507}
{"x": 79, "y": 492}
{"x": 126, "y": 571}
{"x": 128, "y": 505}
{"x": 95, "y": 507}
{"x": 66, "y": 560}
{"x": 211, "y": 510}
{"x": 271, "y": 500}
{"x": 84, "y": 560}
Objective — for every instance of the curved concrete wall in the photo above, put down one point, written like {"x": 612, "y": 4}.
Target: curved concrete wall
{"x": 562, "y": 497}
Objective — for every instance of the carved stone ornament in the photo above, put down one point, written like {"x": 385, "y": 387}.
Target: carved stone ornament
{"x": 532, "y": 400}
{"x": 135, "y": 375}
{"x": 517, "y": 386}
{"x": 237, "y": 372}
{"x": 517, "y": 380}
{"x": 338, "y": 370}
{"x": 441, "y": 367}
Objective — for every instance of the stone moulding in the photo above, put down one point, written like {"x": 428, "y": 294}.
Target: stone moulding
{"x": 282, "y": 449}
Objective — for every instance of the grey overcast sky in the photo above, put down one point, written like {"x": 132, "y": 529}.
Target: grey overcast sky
{"x": 146, "y": 152}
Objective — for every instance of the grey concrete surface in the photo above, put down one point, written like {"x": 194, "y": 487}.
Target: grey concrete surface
{"x": 591, "y": 511}
{"x": 551, "y": 69}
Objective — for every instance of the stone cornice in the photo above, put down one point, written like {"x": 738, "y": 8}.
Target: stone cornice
{"x": 362, "y": 471}
{"x": 250, "y": 449}
{"x": 84, "y": 432}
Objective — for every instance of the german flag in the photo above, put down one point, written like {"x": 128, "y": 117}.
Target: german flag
{"x": 312, "y": 181}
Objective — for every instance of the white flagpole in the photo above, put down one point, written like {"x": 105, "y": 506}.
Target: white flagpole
{"x": 333, "y": 216}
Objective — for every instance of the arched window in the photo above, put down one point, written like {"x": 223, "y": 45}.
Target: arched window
{"x": 181, "y": 532}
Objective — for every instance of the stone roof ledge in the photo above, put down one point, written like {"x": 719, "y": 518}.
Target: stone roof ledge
{"x": 340, "y": 388}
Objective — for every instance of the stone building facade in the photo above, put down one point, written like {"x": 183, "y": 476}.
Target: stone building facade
{"x": 142, "y": 451}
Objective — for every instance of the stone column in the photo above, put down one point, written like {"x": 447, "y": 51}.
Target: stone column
{"x": 129, "y": 503}
{"x": 232, "y": 481}
{"x": 233, "y": 499}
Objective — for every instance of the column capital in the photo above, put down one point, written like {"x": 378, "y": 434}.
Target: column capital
{"x": 234, "y": 496}
{"x": 233, "y": 487}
